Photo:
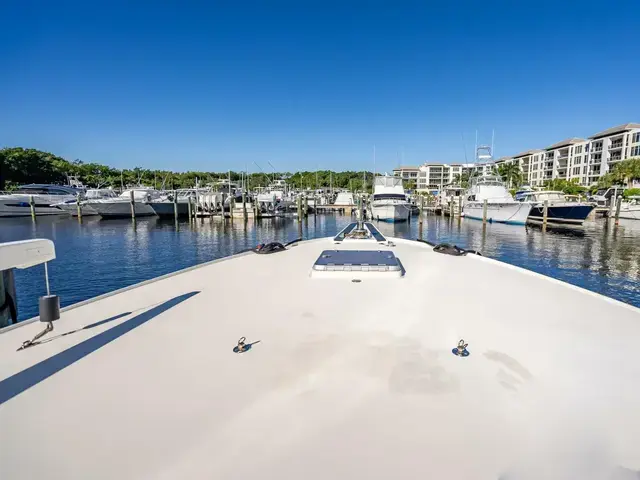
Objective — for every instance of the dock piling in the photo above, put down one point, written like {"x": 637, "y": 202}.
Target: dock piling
{"x": 79, "y": 208}
{"x": 421, "y": 211}
{"x": 618, "y": 206}
{"x": 133, "y": 205}
{"x": 611, "y": 204}
{"x": 189, "y": 208}
{"x": 459, "y": 206}
{"x": 32, "y": 206}
{"x": 545, "y": 214}
{"x": 484, "y": 211}
{"x": 244, "y": 206}
{"x": 175, "y": 205}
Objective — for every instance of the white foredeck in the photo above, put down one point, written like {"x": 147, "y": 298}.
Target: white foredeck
{"x": 349, "y": 380}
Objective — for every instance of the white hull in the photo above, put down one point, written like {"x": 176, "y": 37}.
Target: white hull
{"x": 18, "y": 206}
{"x": 72, "y": 209}
{"x": 119, "y": 209}
{"x": 631, "y": 213}
{"x": 390, "y": 212}
{"x": 514, "y": 213}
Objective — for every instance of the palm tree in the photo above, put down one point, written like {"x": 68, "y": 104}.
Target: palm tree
{"x": 510, "y": 173}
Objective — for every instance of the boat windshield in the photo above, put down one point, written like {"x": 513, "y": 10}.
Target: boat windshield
{"x": 389, "y": 196}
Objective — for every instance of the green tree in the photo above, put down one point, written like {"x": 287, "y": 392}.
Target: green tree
{"x": 510, "y": 174}
{"x": 570, "y": 187}
{"x": 622, "y": 173}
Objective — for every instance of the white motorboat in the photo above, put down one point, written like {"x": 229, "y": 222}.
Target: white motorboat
{"x": 559, "y": 210}
{"x": 630, "y": 209}
{"x": 389, "y": 202}
{"x": 337, "y": 382}
{"x": 17, "y": 203}
{"x": 71, "y": 206}
{"x": 344, "y": 199}
{"x": 120, "y": 207}
{"x": 450, "y": 195}
{"x": 501, "y": 207}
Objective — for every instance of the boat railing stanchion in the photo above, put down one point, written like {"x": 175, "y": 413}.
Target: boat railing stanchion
{"x": 618, "y": 206}
{"x": 545, "y": 214}
{"x": 49, "y": 309}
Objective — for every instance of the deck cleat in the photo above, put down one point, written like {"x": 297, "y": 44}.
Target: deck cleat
{"x": 461, "y": 349}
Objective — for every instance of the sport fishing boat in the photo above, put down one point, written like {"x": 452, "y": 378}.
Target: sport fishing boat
{"x": 71, "y": 206}
{"x": 389, "y": 202}
{"x": 17, "y": 203}
{"x": 120, "y": 207}
{"x": 500, "y": 205}
{"x": 165, "y": 380}
{"x": 559, "y": 210}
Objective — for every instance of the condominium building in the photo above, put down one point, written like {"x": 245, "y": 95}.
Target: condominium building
{"x": 407, "y": 173}
{"x": 577, "y": 159}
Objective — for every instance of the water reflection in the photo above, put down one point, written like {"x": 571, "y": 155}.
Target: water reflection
{"x": 98, "y": 256}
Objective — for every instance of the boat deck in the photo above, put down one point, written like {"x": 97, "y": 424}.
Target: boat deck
{"x": 348, "y": 380}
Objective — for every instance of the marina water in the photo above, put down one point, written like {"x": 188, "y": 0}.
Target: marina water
{"x": 99, "y": 256}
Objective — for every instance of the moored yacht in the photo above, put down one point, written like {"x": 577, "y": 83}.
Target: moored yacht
{"x": 337, "y": 382}
{"x": 17, "y": 203}
{"x": 559, "y": 210}
{"x": 389, "y": 201}
{"x": 71, "y": 206}
{"x": 630, "y": 208}
{"x": 500, "y": 205}
{"x": 120, "y": 206}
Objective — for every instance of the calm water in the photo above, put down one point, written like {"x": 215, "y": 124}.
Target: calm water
{"x": 99, "y": 256}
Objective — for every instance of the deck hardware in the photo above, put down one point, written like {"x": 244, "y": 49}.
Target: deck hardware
{"x": 356, "y": 280}
{"x": 461, "y": 349}
{"x": 49, "y": 309}
{"x": 242, "y": 346}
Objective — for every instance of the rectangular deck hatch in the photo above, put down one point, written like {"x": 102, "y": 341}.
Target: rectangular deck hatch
{"x": 357, "y": 261}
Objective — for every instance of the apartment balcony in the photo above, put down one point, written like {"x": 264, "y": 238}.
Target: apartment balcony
{"x": 615, "y": 146}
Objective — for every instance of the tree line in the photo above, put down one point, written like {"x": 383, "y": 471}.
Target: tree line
{"x": 19, "y": 166}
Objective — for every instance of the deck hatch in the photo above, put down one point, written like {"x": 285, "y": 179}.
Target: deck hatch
{"x": 357, "y": 261}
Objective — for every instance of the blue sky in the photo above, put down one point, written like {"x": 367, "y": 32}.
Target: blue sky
{"x": 311, "y": 84}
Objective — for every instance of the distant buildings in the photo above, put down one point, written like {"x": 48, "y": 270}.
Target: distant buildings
{"x": 579, "y": 159}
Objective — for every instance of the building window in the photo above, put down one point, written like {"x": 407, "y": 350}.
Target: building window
{"x": 636, "y": 138}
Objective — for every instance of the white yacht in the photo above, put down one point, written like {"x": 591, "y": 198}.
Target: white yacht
{"x": 165, "y": 380}
{"x": 71, "y": 206}
{"x": 17, "y": 202}
{"x": 344, "y": 199}
{"x": 449, "y": 195}
{"x": 501, "y": 207}
{"x": 630, "y": 209}
{"x": 120, "y": 206}
{"x": 389, "y": 202}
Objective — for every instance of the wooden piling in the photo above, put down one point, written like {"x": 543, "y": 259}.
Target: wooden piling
{"x": 421, "y": 209}
{"x": 79, "y": 208}
{"x": 611, "y": 204}
{"x": 484, "y": 211}
{"x": 32, "y": 206}
{"x": 133, "y": 205}
{"x": 545, "y": 213}
{"x": 244, "y": 205}
{"x": 175, "y": 206}
{"x": 189, "y": 208}
{"x": 618, "y": 206}
{"x": 460, "y": 206}
{"x": 299, "y": 200}
{"x": 451, "y": 206}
